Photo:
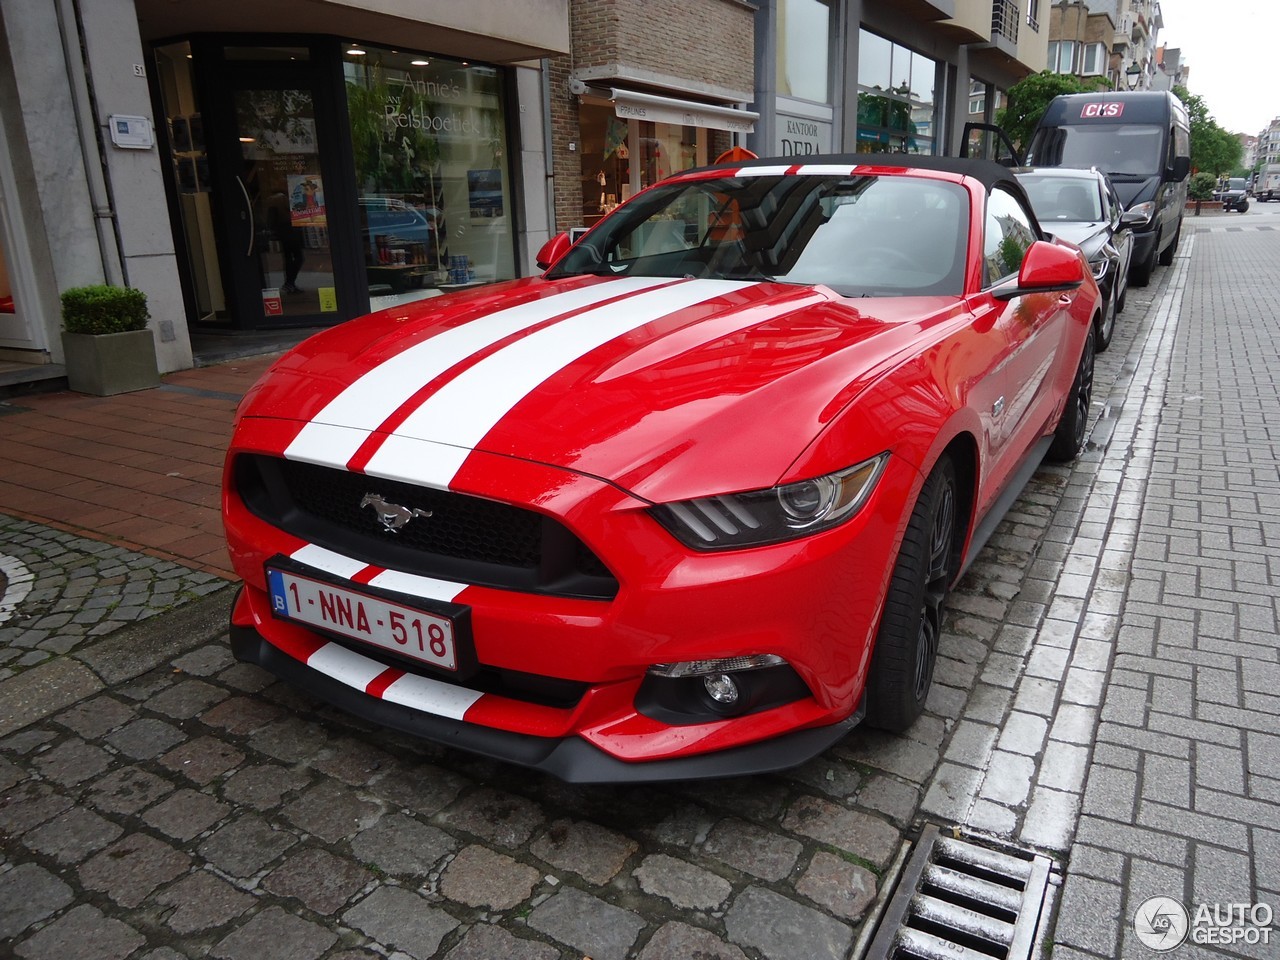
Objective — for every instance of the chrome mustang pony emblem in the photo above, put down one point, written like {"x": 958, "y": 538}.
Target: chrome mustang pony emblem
{"x": 392, "y": 515}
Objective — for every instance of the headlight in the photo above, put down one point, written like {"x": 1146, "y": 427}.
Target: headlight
{"x": 1146, "y": 209}
{"x": 772, "y": 515}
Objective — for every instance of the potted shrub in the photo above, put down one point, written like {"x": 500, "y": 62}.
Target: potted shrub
{"x": 105, "y": 340}
{"x": 1200, "y": 191}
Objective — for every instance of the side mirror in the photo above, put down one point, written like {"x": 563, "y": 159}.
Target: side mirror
{"x": 1132, "y": 218}
{"x": 553, "y": 250}
{"x": 1046, "y": 268}
{"x": 1180, "y": 169}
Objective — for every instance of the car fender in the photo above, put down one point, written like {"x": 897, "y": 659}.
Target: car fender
{"x": 916, "y": 411}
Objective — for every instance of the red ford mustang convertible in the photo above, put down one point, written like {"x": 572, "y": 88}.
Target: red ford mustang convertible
{"x": 689, "y": 503}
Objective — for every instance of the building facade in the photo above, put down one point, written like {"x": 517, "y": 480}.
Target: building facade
{"x": 254, "y": 167}
{"x": 867, "y": 76}
{"x": 1112, "y": 39}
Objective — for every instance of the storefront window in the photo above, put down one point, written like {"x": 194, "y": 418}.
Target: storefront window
{"x": 429, "y": 140}
{"x": 895, "y": 97}
{"x": 190, "y": 165}
{"x": 622, "y": 157}
{"x": 804, "y": 44}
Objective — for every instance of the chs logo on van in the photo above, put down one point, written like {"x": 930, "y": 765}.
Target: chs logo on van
{"x": 1095, "y": 111}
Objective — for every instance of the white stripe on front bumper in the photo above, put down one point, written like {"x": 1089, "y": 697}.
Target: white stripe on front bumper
{"x": 431, "y": 696}
{"x": 328, "y": 561}
{"x": 337, "y": 661}
{"x": 416, "y": 586}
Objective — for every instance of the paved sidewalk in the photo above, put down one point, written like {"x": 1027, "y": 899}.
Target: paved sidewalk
{"x": 142, "y": 471}
{"x": 1183, "y": 791}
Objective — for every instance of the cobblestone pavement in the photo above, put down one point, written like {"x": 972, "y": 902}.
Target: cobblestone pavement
{"x": 62, "y": 590}
{"x": 159, "y": 801}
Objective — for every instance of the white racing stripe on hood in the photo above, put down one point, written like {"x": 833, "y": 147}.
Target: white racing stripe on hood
{"x": 376, "y": 395}
{"x": 462, "y": 411}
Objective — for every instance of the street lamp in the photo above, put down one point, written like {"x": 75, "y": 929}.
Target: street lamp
{"x": 1132, "y": 75}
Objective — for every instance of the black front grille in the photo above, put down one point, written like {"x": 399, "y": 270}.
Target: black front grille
{"x": 466, "y": 539}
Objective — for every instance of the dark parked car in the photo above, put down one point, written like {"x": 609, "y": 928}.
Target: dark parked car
{"x": 1082, "y": 206}
{"x": 1234, "y": 194}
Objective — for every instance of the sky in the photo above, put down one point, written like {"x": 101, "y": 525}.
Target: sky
{"x": 1231, "y": 51}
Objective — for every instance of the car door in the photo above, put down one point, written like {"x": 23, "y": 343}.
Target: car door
{"x": 1034, "y": 325}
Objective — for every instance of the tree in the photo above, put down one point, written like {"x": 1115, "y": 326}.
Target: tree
{"x": 1030, "y": 96}
{"x": 1213, "y": 149}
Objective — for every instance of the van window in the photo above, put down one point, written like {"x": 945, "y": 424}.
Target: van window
{"x": 1131, "y": 148}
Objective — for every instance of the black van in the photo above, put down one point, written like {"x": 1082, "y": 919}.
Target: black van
{"x": 1142, "y": 141}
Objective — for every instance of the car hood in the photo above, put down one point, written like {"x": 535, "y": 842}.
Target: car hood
{"x": 1088, "y": 236}
{"x": 649, "y": 383}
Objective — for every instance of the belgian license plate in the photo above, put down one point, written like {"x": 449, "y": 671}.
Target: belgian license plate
{"x": 416, "y": 633}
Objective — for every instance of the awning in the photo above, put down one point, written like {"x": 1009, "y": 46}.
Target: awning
{"x": 630, "y": 105}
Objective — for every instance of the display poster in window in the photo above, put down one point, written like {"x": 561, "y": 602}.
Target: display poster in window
{"x": 328, "y": 299}
{"x": 484, "y": 188}
{"x": 306, "y": 200}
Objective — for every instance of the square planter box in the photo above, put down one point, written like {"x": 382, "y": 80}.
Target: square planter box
{"x": 110, "y": 363}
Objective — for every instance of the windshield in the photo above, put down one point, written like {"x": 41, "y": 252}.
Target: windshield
{"x": 1131, "y": 149}
{"x": 859, "y": 235}
{"x": 1063, "y": 199}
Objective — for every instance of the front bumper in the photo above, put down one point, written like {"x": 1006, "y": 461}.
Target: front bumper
{"x": 814, "y": 602}
{"x": 571, "y": 758}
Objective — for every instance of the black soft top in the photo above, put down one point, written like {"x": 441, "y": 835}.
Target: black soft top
{"x": 988, "y": 172}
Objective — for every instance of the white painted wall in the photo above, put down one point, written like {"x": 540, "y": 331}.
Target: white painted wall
{"x": 113, "y": 47}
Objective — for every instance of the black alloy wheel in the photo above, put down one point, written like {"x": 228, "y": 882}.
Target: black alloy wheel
{"x": 1068, "y": 439}
{"x": 906, "y": 648}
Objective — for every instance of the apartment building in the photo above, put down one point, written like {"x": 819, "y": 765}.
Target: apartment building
{"x": 1112, "y": 39}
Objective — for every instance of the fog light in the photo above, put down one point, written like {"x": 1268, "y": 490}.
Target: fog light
{"x": 721, "y": 689}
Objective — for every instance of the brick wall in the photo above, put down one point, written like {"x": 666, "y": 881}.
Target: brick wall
{"x": 702, "y": 43}
{"x": 706, "y": 41}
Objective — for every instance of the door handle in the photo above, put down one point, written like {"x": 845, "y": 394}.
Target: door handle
{"x": 1065, "y": 299}
{"x": 248, "y": 205}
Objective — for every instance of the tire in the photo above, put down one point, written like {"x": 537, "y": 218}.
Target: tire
{"x": 1140, "y": 273}
{"x": 1068, "y": 439}
{"x": 1242, "y": 206}
{"x": 1105, "y": 328}
{"x": 1166, "y": 256}
{"x": 906, "y": 647}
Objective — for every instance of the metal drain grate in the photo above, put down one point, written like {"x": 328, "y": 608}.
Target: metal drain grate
{"x": 963, "y": 901}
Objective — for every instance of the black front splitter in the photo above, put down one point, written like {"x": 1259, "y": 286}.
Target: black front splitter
{"x": 571, "y": 759}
